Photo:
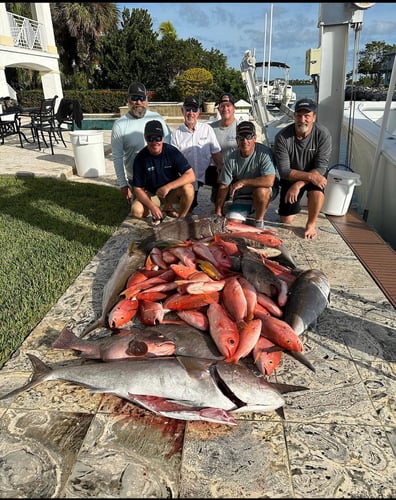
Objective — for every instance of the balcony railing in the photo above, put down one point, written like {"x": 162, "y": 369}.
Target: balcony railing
{"x": 25, "y": 32}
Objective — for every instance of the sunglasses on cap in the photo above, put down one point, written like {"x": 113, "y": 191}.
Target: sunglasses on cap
{"x": 249, "y": 137}
{"x": 194, "y": 109}
{"x": 154, "y": 138}
{"x": 137, "y": 97}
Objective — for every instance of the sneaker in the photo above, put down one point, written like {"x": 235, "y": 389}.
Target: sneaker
{"x": 260, "y": 224}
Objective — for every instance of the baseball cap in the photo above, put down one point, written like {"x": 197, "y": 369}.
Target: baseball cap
{"x": 190, "y": 100}
{"x": 245, "y": 127}
{"x": 153, "y": 127}
{"x": 227, "y": 98}
{"x": 136, "y": 88}
{"x": 308, "y": 104}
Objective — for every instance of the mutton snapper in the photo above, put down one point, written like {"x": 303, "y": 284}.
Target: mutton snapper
{"x": 137, "y": 343}
{"x": 175, "y": 387}
{"x": 160, "y": 340}
{"x": 192, "y": 227}
{"x": 308, "y": 297}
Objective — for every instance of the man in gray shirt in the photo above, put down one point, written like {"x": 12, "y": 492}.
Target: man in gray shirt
{"x": 225, "y": 130}
{"x": 302, "y": 152}
{"x": 248, "y": 175}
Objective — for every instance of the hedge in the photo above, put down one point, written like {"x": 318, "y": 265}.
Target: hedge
{"x": 91, "y": 101}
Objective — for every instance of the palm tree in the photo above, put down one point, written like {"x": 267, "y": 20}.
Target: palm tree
{"x": 78, "y": 28}
{"x": 167, "y": 29}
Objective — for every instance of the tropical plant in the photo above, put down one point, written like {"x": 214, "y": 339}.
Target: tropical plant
{"x": 78, "y": 28}
{"x": 167, "y": 30}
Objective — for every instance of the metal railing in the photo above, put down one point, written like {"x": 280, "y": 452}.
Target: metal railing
{"x": 25, "y": 32}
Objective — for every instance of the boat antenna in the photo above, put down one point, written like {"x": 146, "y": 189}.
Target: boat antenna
{"x": 270, "y": 45}
{"x": 264, "y": 49}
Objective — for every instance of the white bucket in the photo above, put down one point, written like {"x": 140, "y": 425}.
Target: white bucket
{"x": 88, "y": 152}
{"x": 338, "y": 191}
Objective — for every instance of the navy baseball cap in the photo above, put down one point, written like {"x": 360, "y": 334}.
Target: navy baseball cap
{"x": 307, "y": 104}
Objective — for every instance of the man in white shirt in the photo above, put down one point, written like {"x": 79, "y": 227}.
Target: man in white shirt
{"x": 197, "y": 141}
{"x": 127, "y": 136}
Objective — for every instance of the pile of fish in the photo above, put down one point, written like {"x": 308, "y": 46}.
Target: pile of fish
{"x": 182, "y": 312}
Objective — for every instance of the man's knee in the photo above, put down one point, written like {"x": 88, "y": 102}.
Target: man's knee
{"x": 137, "y": 209}
{"x": 262, "y": 195}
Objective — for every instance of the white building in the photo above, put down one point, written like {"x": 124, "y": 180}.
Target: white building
{"x": 30, "y": 43}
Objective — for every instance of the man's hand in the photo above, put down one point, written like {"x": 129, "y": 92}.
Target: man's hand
{"x": 234, "y": 187}
{"x": 126, "y": 193}
{"x": 293, "y": 192}
{"x": 163, "y": 191}
{"x": 316, "y": 178}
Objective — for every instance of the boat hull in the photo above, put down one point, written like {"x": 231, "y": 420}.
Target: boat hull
{"x": 364, "y": 138}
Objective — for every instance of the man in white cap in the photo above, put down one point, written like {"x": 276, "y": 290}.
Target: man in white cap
{"x": 197, "y": 141}
{"x": 248, "y": 176}
{"x": 302, "y": 152}
{"x": 161, "y": 170}
{"x": 127, "y": 136}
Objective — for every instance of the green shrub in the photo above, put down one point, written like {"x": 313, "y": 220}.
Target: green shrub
{"x": 92, "y": 101}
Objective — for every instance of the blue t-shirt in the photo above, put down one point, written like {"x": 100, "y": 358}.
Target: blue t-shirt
{"x": 151, "y": 172}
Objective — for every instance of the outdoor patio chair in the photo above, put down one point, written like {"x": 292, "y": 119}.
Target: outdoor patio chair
{"x": 69, "y": 113}
{"x": 43, "y": 122}
{"x": 10, "y": 123}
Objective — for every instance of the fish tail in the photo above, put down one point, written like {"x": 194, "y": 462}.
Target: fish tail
{"x": 65, "y": 340}
{"x": 40, "y": 374}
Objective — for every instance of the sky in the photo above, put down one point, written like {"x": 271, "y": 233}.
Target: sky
{"x": 233, "y": 28}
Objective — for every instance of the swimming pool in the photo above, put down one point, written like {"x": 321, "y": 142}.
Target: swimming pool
{"x": 97, "y": 123}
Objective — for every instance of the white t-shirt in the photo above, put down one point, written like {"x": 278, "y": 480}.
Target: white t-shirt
{"x": 197, "y": 146}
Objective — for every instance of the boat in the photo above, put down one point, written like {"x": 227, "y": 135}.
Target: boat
{"x": 372, "y": 150}
{"x": 264, "y": 115}
{"x": 277, "y": 91}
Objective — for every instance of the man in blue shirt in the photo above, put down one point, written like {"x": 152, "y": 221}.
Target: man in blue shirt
{"x": 161, "y": 170}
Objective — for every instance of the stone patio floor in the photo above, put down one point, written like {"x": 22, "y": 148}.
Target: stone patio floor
{"x": 337, "y": 440}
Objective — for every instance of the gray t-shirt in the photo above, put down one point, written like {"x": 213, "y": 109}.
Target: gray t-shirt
{"x": 311, "y": 152}
{"x": 226, "y": 136}
{"x": 259, "y": 163}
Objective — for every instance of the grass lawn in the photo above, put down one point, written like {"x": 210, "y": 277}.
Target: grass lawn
{"x": 49, "y": 231}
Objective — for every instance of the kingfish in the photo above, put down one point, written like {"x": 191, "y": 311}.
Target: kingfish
{"x": 131, "y": 260}
{"x": 175, "y": 387}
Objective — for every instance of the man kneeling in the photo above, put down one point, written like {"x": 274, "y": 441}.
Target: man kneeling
{"x": 248, "y": 175}
{"x": 161, "y": 170}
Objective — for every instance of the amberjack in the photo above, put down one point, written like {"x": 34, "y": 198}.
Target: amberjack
{"x": 175, "y": 387}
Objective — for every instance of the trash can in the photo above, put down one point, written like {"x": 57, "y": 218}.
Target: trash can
{"x": 88, "y": 152}
{"x": 339, "y": 190}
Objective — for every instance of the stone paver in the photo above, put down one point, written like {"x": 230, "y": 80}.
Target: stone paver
{"x": 335, "y": 440}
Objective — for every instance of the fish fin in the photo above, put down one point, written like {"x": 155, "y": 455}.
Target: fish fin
{"x": 280, "y": 412}
{"x": 284, "y": 388}
{"x": 65, "y": 339}
{"x": 181, "y": 410}
{"x": 40, "y": 372}
{"x": 194, "y": 366}
{"x": 298, "y": 356}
